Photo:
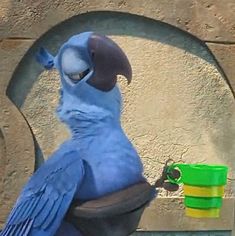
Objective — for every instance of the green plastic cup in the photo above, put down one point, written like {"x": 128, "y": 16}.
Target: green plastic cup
{"x": 203, "y": 202}
{"x": 203, "y": 188}
{"x": 200, "y": 174}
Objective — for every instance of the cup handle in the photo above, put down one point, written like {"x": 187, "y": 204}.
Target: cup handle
{"x": 171, "y": 179}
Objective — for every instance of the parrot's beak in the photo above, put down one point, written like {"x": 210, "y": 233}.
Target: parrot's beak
{"x": 109, "y": 61}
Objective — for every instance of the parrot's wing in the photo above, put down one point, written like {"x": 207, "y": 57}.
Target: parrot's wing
{"x": 46, "y": 198}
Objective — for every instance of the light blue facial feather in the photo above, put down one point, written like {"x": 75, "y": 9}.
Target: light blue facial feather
{"x": 80, "y": 100}
{"x": 69, "y": 59}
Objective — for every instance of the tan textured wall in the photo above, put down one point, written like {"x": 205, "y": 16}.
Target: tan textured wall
{"x": 178, "y": 105}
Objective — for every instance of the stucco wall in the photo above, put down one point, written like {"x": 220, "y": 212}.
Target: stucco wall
{"x": 179, "y": 105}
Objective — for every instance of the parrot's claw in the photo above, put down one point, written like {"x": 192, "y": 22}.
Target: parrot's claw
{"x": 163, "y": 181}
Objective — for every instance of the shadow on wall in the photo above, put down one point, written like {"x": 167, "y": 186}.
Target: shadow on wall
{"x": 109, "y": 23}
{"x": 2, "y": 162}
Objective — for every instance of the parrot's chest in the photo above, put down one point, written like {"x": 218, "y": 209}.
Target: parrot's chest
{"x": 110, "y": 164}
{"x": 108, "y": 173}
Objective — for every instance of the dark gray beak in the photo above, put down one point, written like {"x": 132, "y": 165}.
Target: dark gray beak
{"x": 109, "y": 61}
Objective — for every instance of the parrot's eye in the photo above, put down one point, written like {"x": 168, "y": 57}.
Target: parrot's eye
{"x": 76, "y": 77}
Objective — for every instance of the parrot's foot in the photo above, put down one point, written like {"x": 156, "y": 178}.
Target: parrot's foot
{"x": 163, "y": 181}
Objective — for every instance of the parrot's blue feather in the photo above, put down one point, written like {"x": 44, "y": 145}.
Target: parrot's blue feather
{"x": 7, "y": 229}
{"x": 23, "y": 212}
{"x": 18, "y": 230}
{"x": 43, "y": 211}
{"x": 44, "y": 58}
{"x": 61, "y": 211}
{"x": 43, "y": 215}
{"x": 52, "y": 213}
{"x": 30, "y": 208}
{"x": 40, "y": 205}
{"x": 26, "y": 228}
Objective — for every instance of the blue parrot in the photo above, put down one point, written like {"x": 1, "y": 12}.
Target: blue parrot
{"x": 98, "y": 159}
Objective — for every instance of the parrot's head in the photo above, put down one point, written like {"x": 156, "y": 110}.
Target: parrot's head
{"x": 89, "y": 64}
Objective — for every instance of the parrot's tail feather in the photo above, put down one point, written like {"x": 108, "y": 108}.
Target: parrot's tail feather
{"x": 21, "y": 229}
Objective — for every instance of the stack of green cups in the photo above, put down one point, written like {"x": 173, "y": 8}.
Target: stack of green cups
{"x": 203, "y": 188}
